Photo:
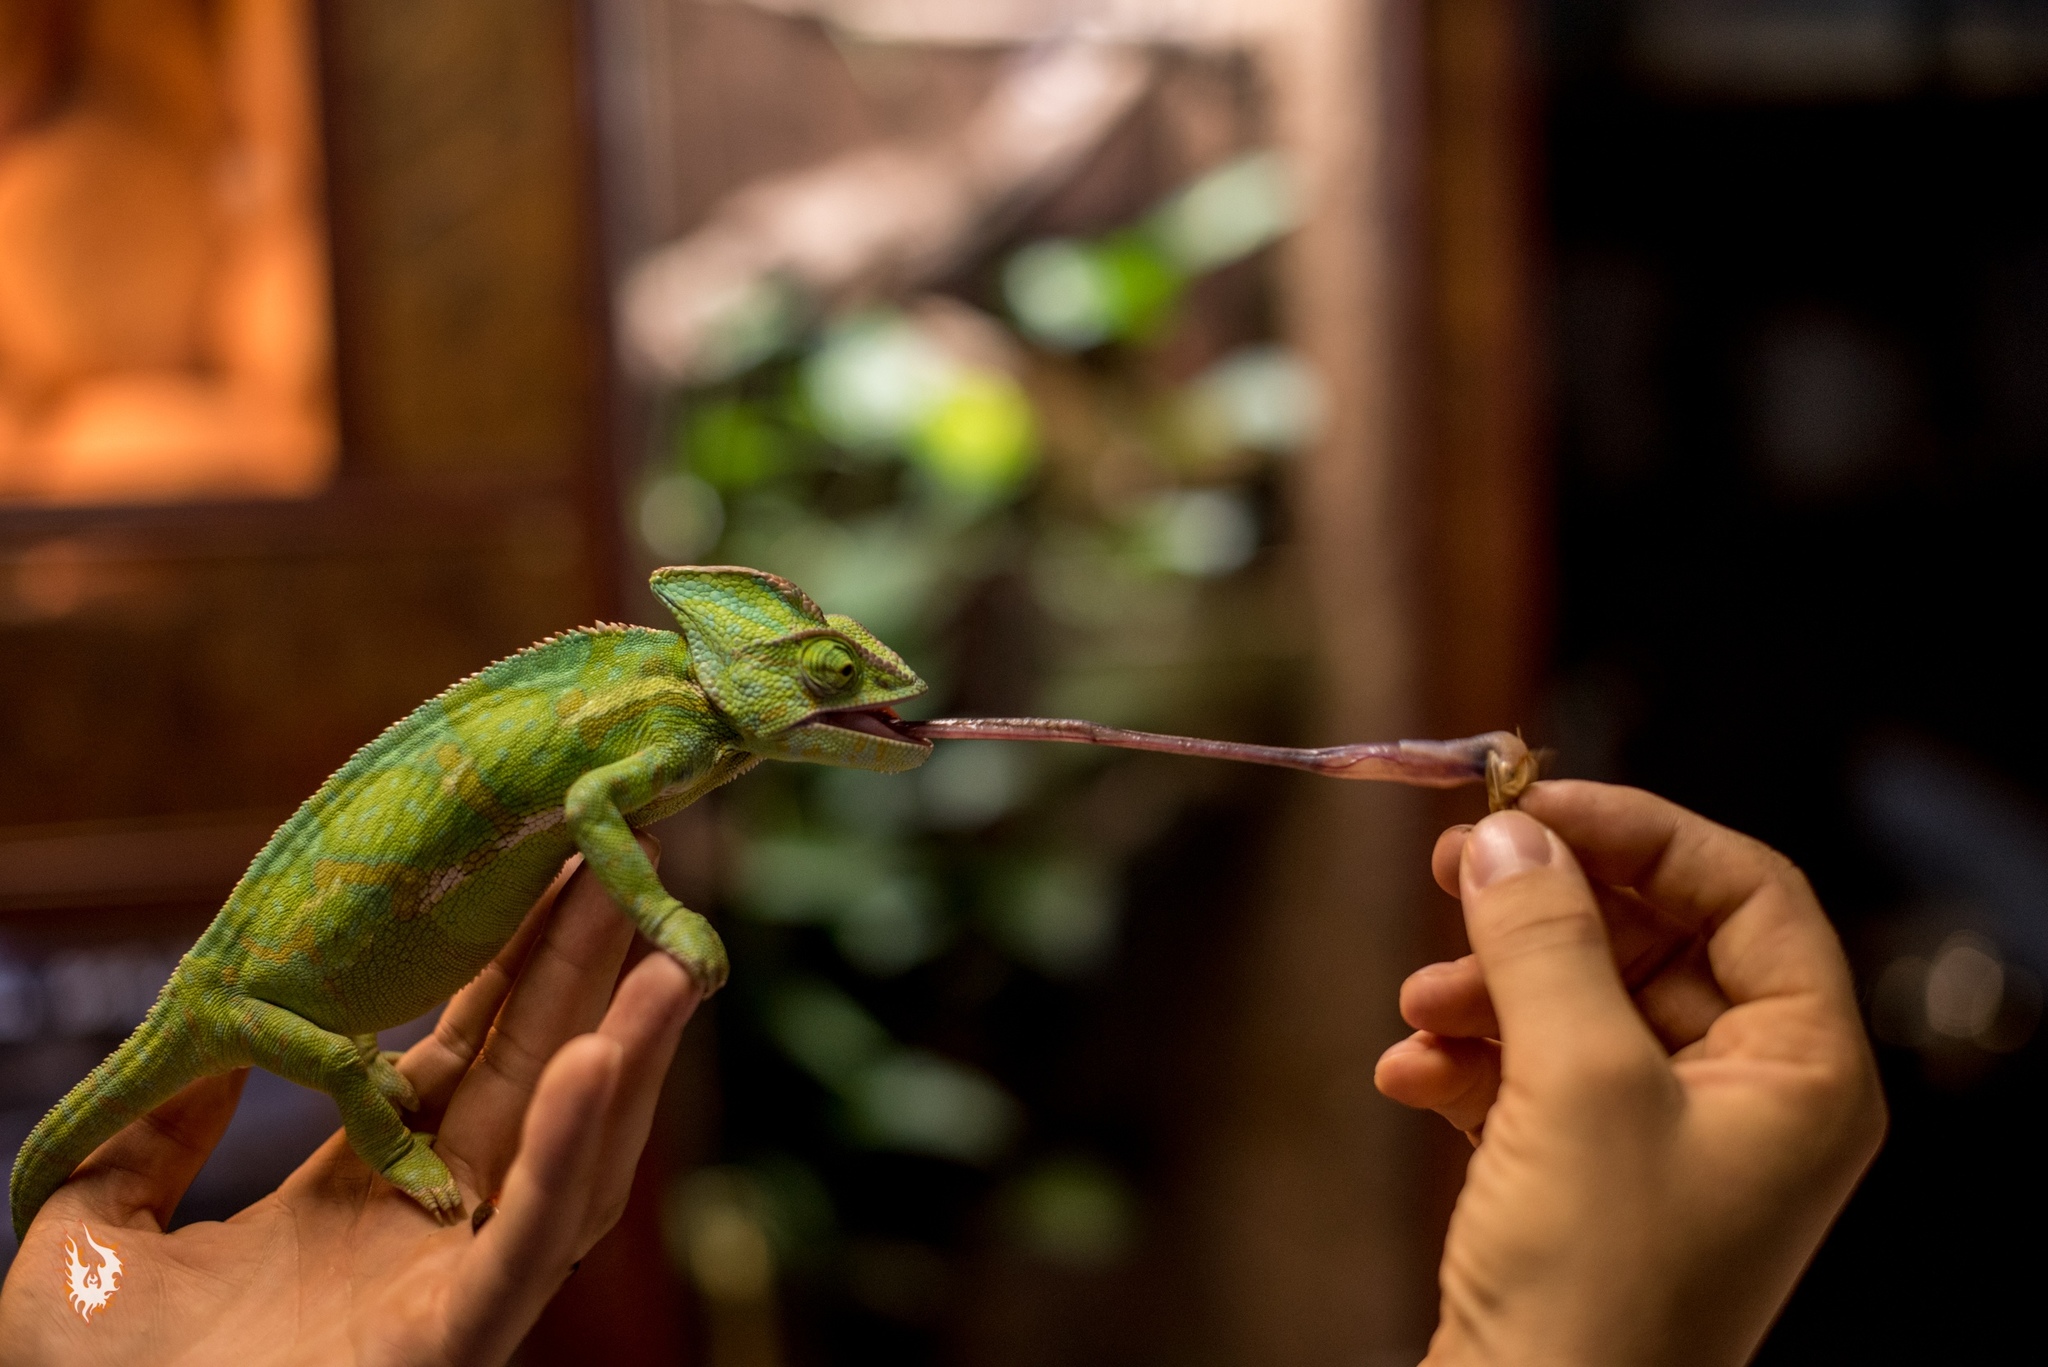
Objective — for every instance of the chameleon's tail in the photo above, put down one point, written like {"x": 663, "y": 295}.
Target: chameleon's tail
{"x": 146, "y": 1071}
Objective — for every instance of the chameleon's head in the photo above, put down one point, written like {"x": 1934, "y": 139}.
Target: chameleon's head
{"x": 796, "y": 683}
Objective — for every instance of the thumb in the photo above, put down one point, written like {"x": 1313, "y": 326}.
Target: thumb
{"x": 1536, "y": 929}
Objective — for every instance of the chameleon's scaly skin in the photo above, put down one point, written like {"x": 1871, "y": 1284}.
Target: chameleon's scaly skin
{"x": 413, "y": 865}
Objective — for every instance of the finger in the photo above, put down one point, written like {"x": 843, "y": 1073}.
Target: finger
{"x": 1450, "y": 999}
{"x": 561, "y": 992}
{"x": 1675, "y": 993}
{"x": 646, "y": 1019}
{"x": 136, "y": 1179}
{"x": 1542, "y": 945}
{"x": 1662, "y": 960}
{"x": 1704, "y": 877}
{"x": 1443, "y": 860}
{"x": 435, "y": 1065}
{"x": 1633, "y": 839}
{"x": 1456, "y": 1078}
{"x": 519, "y": 1258}
{"x": 1680, "y": 999}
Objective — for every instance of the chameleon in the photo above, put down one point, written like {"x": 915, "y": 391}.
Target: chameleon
{"x": 412, "y": 866}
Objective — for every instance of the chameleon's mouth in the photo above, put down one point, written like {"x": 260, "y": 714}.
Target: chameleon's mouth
{"x": 872, "y": 721}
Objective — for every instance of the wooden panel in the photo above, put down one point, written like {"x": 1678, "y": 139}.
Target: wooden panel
{"x": 461, "y": 219}
{"x": 1316, "y": 1240}
{"x": 202, "y": 662}
{"x": 1489, "y": 563}
{"x": 229, "y": 660}
{"x": 1490, "y": 481}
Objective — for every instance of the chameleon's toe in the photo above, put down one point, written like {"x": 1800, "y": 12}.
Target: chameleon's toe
{"x": 694, "y": 944}
{"x": 393, "y": 1084}
{"x": 422, "y": 1175}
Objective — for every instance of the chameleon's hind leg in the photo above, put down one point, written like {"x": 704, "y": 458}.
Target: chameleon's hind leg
{"x": 293, "y": 1047}
{"x": 595, "y": 812}
{"x": 383, "y": 1066}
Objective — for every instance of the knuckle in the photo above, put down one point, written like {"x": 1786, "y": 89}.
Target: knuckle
{"x": 1532, "y": 926}
{"x": 510, "y": 1060}
{"x": 1799, "y": 889}
{"x": 451, "y": 1039}
{"x": 1613, "y": 1076}
{"x": 606, "y": 1215}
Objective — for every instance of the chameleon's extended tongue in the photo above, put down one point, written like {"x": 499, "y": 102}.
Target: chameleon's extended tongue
{"x": 1499, "y": 758}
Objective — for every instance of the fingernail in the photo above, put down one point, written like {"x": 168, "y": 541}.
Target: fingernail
{"x": 1505, "y": 844}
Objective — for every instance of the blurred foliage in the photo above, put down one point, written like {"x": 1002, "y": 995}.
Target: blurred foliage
{"x": 1051, "y": 505}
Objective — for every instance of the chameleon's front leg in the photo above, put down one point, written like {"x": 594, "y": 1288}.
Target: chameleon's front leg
{"x": 595, "y": 810}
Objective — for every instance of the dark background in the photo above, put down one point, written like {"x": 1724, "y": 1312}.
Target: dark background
{"x": 1802, "y": 397}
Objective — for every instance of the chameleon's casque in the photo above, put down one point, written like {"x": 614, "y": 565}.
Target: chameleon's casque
{"x": 413, "y": 865}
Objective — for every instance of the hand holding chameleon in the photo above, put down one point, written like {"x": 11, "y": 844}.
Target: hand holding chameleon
{"x": 540, "y": 1079}
{"x": 410, "y": 868}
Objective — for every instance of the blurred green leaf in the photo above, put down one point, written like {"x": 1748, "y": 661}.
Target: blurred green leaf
{"x": 921, "y": 1103}
{"x": 1072, "y": 1210}
{"x": 874, "y": 380}
{"x": 680, "y": 517}
{"x": 825, "y": 1031}
{"x": 809, "y": 879}
{"x": 1059, "y": 915}
{"x": 1228, "y": 214}
{"x": 967, "y": 784}
{"x": 1199, "y": 532}
{"x": 732, "y": 444}
{"x": 1144, "y": 283}
{"x": 981, "y": 438}
{"x": 1059, "y": 295}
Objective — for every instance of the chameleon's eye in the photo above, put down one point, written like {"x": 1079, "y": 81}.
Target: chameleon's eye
{"x": 828, "y": 667}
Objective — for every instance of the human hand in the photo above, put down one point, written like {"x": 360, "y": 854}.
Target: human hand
{"x": 338, "y": 1266}
{"x": 1662, "y": 1069}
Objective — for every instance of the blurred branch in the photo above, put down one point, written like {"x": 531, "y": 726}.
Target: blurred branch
{"x": 1181, "y": 23}
{"x": 880, "y": 219}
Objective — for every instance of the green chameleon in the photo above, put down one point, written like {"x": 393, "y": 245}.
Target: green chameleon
{"x": 413, "y": 865}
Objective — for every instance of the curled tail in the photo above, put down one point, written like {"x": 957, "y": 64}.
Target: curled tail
{"x": 147, "y": 1070}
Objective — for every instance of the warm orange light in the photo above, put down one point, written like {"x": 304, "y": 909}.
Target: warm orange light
{"x": 164, "y": 330}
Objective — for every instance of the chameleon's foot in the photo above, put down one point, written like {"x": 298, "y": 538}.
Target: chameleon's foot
{"x": 421, "y": 1174}
{"x": 691, "y": 941}
{"x": 393, "y": 1084}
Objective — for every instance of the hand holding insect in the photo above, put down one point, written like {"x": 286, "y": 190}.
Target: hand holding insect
{"x": 1655, "y": 1047}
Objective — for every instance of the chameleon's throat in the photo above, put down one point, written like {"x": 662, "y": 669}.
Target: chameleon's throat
{"x": 1498, "y": 759}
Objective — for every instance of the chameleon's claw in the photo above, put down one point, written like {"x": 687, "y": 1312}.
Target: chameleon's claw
{"x": 421, "y": 1174}
{"x": 690, "y": 940}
